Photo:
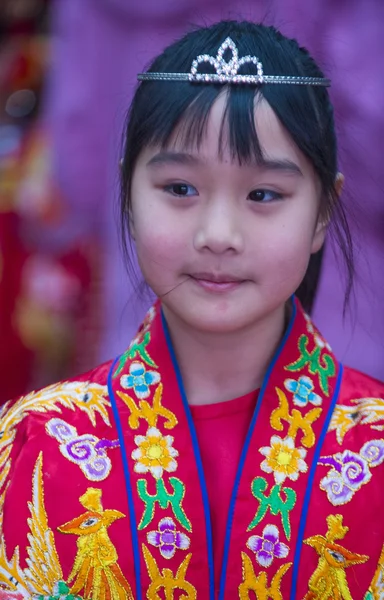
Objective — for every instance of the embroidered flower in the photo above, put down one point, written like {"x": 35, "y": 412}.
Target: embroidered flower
{"x": 154, "y": 453}
{"x": 302, "y": 391}
{"x": 350, "y": 471}
{"x": 139, "y": 379}
{"x": 283, "y": 459}
{"x": 167, "y": 539}
{"x": 267, "y": 547}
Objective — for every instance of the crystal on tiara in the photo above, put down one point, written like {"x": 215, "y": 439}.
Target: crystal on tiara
{"x": 228, "y": 71}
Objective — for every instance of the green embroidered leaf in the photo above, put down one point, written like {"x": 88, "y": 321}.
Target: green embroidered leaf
{"x": 136, "y": 350}
{"x": 164, "y": 498}
{"x": 274, "y": 503}
{"x": 319, "y": 364}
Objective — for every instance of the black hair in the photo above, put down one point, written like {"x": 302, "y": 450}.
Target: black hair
{"x": 159, "y": 107}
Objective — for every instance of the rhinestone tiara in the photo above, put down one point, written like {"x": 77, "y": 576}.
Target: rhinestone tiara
{"x": 228, "y": 71}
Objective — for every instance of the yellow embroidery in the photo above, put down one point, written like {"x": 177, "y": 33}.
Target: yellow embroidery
{"x": 95, "y": 569}
{"x": 155, "y": 453}
{"x": 376, "y": 589}
{"x": 166, "y": 580}
{"x": 329, "y": 581}
{"x": 283, "y": 459}
{"x": 147, "y": 412}
{"x": 88, "y": 397}
{"x": 44, "y": 569}
{"x": 12, "y": 577}
{"x": 364, "y": 411}
{"x": 259, "y": 584}
{"x": 297, "y": 421}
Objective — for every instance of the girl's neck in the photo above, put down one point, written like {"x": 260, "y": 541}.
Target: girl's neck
{"x": 220, "y": 367}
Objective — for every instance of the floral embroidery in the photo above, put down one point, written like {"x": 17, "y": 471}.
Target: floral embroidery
{"x": 259, "y": 584}
{"x": 167, "y": 539}
{"x": 330, "y": 577}
{"x": 155, "y": 453}
{"x": 283, "y": 459}
{"x": 139, "y": 379}
{"x": 320, "y": 364}
{"x": 166, "y": 580}
{"x": 364, "y": 411}
{"x": 267, "y": 547}
{"x": 302, "y": 391}
{"x": 350, "y": 471}
{"x": 86, "y": 451}
{"x": 95, "y": 547}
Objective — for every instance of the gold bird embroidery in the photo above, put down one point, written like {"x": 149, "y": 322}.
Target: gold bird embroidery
{"x": 329, "y": 581}
{"x": 95, "y": 570}
{"x": 363, "y": 411}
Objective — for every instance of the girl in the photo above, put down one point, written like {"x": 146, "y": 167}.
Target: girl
{"x": 227, "y": 453}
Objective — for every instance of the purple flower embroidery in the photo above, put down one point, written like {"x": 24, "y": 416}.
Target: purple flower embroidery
{"x": 350, "y": 471}
{"x": 86, "y": 451}
{"x": 167, "y": 539}
{"x": 267, "y": 547}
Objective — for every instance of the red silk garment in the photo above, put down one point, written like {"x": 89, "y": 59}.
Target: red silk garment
{"x": 103, "y": 492}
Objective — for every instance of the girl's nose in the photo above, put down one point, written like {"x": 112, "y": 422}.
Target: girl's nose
{"x": 219, "y": 230}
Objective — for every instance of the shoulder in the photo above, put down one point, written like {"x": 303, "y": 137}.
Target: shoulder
{"x": 359, "y": 409}
{"x": 80, "y": 390}
{"x": 26, "y": 417}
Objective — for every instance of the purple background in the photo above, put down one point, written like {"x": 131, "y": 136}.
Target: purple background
{"x": 100, "y": 45}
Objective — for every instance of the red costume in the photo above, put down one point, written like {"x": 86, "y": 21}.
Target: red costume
{"x": 103, "y": 491}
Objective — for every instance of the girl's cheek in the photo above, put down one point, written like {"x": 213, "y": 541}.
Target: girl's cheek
{"x": 158, "y": 247}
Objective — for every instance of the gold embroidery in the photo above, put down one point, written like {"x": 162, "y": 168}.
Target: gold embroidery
{"x": 329, "y": 581}
{"x": 95, "y": 569}
{"x": 363, "y": 411}
{"x": 297, "y": 421}
{"x": 11, "y": 575}
{"x": 44, "y": 569}
{"x": 147, "y": 412}
{"x": 166, "y": 581}
{"x": 259, "y": 584}
{"x": 376, "y": 589}
{"x": 88, "y": 397}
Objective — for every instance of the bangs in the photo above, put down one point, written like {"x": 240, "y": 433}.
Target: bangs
{"x": 185, "y": 123}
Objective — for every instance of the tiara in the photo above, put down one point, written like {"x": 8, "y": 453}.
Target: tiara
{"x": 228, "y": 71}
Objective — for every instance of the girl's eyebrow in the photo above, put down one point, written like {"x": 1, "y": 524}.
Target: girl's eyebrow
{"x": 183, "y": 158}
{"x": 180, "y": 158}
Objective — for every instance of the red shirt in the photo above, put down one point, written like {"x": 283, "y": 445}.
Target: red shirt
{"x": 221, "y": 430}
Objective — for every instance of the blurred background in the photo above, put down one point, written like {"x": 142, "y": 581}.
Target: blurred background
{"x": 67, "y": 74}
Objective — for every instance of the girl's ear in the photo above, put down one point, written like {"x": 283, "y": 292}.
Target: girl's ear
{"x": 323, "y": 222}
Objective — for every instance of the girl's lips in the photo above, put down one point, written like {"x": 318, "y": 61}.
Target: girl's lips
{"x": 217, "y": 286}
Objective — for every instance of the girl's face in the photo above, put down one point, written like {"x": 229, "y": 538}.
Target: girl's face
{"x": 225, "y": 245}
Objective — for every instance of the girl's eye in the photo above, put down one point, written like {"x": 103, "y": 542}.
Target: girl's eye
{"x": 264, "y": 196}
{"x": 181, "y": 190}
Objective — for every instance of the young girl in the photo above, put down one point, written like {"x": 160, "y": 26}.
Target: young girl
{"x": 227, "y": 453}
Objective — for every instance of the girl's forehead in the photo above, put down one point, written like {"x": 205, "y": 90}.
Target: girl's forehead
{"x": 272, "y": 138}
